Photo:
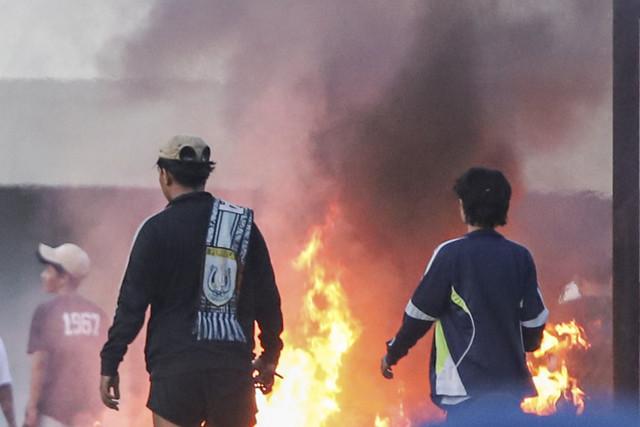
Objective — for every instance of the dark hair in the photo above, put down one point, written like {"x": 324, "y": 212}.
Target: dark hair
{"x": 485, "y": 195}
{"x": 187, "y": 173}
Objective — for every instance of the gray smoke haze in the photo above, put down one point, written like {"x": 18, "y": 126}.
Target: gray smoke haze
{"x": 103, "y": 222}
{"x": 374, "y": 107}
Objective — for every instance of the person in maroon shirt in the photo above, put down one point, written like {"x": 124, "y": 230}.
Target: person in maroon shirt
{"x": 65, "y": 338}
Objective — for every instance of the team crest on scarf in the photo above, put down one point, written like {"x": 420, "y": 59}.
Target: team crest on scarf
{"x": 220, "y": 272}
{"x": 226, "y": 248}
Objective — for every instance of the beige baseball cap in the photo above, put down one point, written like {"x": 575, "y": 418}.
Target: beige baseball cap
{"x": 186, "y": 148}
{"x": 71, "y": 258}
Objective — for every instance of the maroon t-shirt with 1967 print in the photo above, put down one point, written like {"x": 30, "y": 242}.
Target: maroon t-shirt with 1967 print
{"x": 72, "y": 330}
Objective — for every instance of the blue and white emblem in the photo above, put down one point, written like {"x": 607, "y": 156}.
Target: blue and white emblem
{"x": 221, "y": 269}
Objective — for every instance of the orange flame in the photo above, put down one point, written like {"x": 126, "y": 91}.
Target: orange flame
{"x": 381, "y": 422}
{"x": 398, "y": 417}
{"x": 398, "y": 420}
{"x": 307, "y": 396}
{"x": 550, "y": 374}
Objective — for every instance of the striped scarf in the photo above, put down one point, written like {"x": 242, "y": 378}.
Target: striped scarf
{"x": 226, "y": 249}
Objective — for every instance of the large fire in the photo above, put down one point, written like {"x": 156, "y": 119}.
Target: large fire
{"x": 550, "y": 373}
{"x": 307, "y": 395}
{"x": 312, "y": 358}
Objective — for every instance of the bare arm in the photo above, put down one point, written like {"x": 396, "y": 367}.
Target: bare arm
{"x": 39, "y": 362}
{"x": 6, "y": 402}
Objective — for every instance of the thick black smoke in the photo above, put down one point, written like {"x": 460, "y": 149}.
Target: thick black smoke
{"x": 377, "y": 107}
{"x": 481, "y": 83}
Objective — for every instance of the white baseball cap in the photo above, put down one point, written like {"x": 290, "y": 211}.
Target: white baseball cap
{"x": 71, "y": 258}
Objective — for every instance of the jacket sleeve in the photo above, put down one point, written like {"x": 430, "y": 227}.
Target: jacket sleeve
{"x": 410, "y": 332}
{"x": 268, "y": 313}
{"x": 426, "y": 304}
{"x": 533, "y": 313}
{"x": 133, "y": 300}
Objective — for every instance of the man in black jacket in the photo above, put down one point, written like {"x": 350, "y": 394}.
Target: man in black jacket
{"x": 203, "y": 267}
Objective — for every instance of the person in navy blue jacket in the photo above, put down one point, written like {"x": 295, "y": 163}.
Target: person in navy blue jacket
{"x": 482, "y": 294}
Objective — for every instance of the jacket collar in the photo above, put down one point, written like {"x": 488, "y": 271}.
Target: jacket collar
{"x": 194, "y": 195}
{"x": 489, "y": 232}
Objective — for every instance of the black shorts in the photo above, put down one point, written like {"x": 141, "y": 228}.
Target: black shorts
{"x": 221, "y": 398}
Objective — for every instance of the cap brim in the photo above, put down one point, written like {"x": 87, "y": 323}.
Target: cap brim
{"x": 46, "y": 255}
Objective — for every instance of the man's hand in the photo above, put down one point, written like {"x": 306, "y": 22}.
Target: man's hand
{"x": 110, "y": 390}
{"x": 385, "y": 368}
{"x": 263, "y": 376}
